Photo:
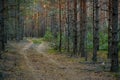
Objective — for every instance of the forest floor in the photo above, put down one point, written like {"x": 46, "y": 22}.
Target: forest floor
{"x": 28, "y": 61}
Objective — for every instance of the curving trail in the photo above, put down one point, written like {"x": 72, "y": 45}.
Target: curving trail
{"x": 44, "y": 66}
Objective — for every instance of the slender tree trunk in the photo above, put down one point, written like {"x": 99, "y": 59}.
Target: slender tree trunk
{"x": 114, "y": 51}
{"x": 5, "y": 25}
{"x": 60, "y": 27}
{"x": 83, "y": 28}
{"x": 53, "y": 25}
{"x": 18, "y": 21}
{"x": 109, "y": 29}
{"x": 81, "y": 24}
{"x": 1, "y": 29}
{"x": 2, "y": 45}
{"x": 75, "y": 29}
{"x": 68, "y": 26}
{"x": 22, "y": 28}
{"x": 95, "y": 29}
{"x": 15, "y": 22}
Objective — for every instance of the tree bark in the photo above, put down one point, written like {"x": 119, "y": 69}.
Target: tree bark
{"x": 75, "y": 29}
{"x": 109, "y": 29}
{"x": 114, "y": 51}
{"x": 2, "y": 45}
{"x": 60, "y": 27}
{"x": 68, "y": 26}
{"x": 83, "y": 28}
{"x": 95, "y": 29}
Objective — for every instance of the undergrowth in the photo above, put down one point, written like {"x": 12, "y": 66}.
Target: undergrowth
{"x": 37, "y": 41}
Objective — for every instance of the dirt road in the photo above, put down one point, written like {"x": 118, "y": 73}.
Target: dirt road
{"x": 45, "y": 66}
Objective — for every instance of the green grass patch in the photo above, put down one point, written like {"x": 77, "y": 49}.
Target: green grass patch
{"x": 102, "y": 54}
{"x": 37, "y": 41}
{"x": 52, "y": 51}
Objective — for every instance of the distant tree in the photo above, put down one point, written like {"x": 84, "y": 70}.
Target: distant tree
{"x": 53, "y": 21}
{"x": 18, "y": 37}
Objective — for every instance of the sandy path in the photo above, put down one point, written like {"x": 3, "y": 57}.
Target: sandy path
{"x": 44, "y": 66}
{"x": 40, "y": 50}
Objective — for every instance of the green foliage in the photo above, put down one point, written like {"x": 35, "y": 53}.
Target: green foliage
{"x": 54, "y": 45}
{"x": 89, "y": 40}
{"x": 89, "y": 34}
{"x": 64, "y": 42}
{"x": 103, "y": 36}
{"x": 48, "y": 36}
{"x": 37, "y": 41}
{"x": 52, "y": 51}
{"x": 103, "y": 41}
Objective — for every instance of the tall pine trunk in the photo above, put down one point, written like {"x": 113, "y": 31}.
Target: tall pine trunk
{"x": 83, "y": 28}
{"x": 75, "y": 29}
{"x": 2, "y": 45}
{"x": 18, "y": 35}
{"x": 114, "y": 51}
{"x": 68, "y": 25}
{"x": 109, "y": 29}
{"x": 95, "y": 29}
{"x": 60, "y": 27}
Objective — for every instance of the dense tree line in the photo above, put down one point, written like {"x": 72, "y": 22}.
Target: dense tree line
{"x": 70, "y": 22}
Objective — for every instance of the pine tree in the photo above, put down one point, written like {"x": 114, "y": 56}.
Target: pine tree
{"x": 114, "y": 51}
{"x": 109, "y": 29}
{"x": 60, "y": 27}
{"x": 83, "y": 15}
{"x": 68, "y": 25}
{"x": 95, "y": 29}
{"x": 2, "y": 45}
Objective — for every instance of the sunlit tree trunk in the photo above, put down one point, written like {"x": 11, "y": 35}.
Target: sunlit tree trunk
{"x": 114, "y": 51}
